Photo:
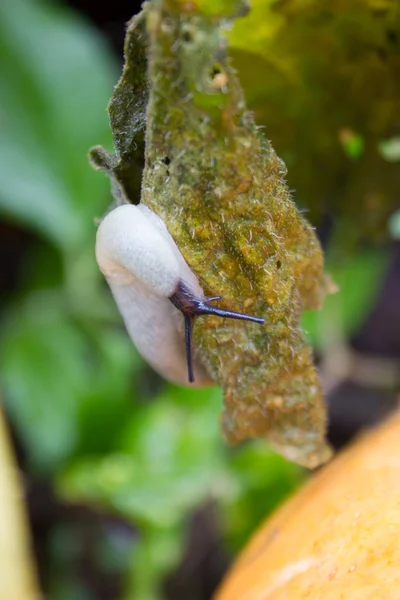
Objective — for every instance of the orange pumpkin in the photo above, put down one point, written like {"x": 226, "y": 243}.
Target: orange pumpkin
{"x": 337, "y": 538}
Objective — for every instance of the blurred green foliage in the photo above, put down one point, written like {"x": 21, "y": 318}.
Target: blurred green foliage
{"x": 90, "y": 416}
{"x": 322, "y": 77}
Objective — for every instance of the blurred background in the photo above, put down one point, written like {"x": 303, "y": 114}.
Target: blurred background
{"x": 129, "y": 488}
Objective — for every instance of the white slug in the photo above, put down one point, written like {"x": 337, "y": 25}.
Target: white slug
{"x": 152, "y": 285}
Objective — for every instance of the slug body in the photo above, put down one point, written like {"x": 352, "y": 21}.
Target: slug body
{"x": 153, "y": 286}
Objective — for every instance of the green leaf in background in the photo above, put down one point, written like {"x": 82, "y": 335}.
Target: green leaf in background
{"x": 57, "y": 74}
{"x": 64, "y": 389}
{"x": 42, "y": 370}
{"x": 169, "y": 461}
{"x": 66, "y": 375}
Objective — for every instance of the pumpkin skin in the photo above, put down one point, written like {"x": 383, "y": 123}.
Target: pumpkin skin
{"x": 337, "y": 538}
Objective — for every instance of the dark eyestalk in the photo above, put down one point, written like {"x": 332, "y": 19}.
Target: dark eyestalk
{"x": 192, "y": 307}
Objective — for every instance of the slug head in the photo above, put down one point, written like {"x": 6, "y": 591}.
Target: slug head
{"x": 192, "y": 307}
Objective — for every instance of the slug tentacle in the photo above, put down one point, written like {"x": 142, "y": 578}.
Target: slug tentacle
{"x": 189, "y": 322}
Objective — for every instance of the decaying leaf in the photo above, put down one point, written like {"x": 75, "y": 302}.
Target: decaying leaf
{"x": 219, "y": 187}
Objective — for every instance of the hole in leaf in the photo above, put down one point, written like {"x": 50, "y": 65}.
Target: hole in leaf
{"x": 216, "y": 70}
{"x": 166, "y": 161}
{"x": 278, "y": 264}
